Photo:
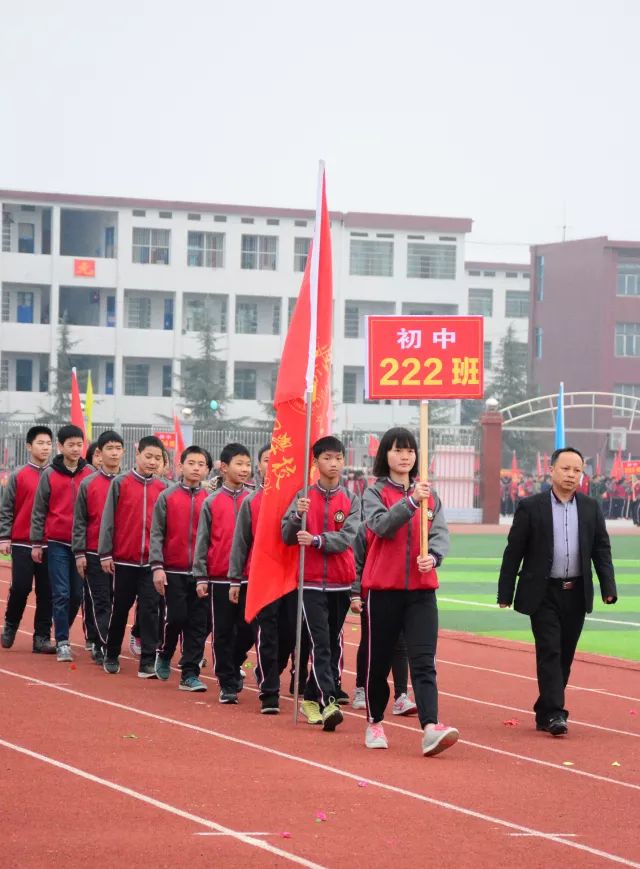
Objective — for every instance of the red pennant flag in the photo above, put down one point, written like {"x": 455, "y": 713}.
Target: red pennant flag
{"x": 598, "y": 465}
{"x": 515, "y": 470}
{"x": 305, "y": 361}
{"x": 179, "y": 443}
{"x": 374, "y": 443}
{"x": 617, "y": 469}
{"x": 76, "y": 409}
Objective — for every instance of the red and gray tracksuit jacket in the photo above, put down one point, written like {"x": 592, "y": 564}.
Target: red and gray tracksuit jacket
{"x": 243, "y": 537}
{"x": 333, "y": 519}
{"x": 87, "y": 513}
{"x": 16, "y": 505}
{"x": 392, "y": 520}
{"x": 174, "y": 527}
{"x": 52, "y": 515}
{"x": 215, "y": 534}
{"x": 126, "y": 521}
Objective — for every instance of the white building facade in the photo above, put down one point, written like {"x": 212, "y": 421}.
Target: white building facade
{"x": 135, "y": 279}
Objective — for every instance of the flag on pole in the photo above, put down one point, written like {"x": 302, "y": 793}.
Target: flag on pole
{"x": 76, "y": 408}
{"x": 374, "y": 443}
{"x": 617, "y": 469}
{"x": 598, "y": 465}
{"x": 305, "y": 366}
{"x": 560, "y": 435}
{"x": 179, "y": 440}
{"x": 88, "y": 408}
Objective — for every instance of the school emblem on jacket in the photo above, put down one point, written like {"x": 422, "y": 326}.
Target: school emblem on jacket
{"x": 430, "y": 514}
{"x": 338, "y": 516}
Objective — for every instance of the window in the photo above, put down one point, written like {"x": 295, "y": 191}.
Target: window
{"x": 275, "y": 318}
{"x": 206, "y": 249}
{"x": 43, "y": 380}
{"x": 511, "y": 274}
{"x": 351, "y": 322}
{"x": 246, "y": 220}
{"x": 220, "y": 218}
{"x": 517, "y": 304}
{"x": 167, "y": 380}
{"x": 539, "y": 278}
{"x": 630, "y": 403}
{"x": 371, "y": 258}
{"x": 273, "y": 382}
{"x": 259, "y": 252}
{"x": 300, "y": 251}
{"x": 537, "y": 342}
{"x": 488, "y": 274}
{"x": 151, "y": 245}
{"x": 4, "y": 375}
{"x": 26, "y": 237}
{"x": 273, "y": 221}
{"x": 291, "y": 308}
{"x": 139, "y": 315}
{"x": 349, "y": 387}
{"x": 247, "y": 318}
{"x": 24, "y": 375}
{"x": 6, "y": 306}
{"x": 435, "y": 261}
{"x": 520, "y": 351}
{"x": 136, "y": 379}
{"x": 299, "y": 222}
{"x": 25, "y": 308}
{"x": 194, "y": 216}
{"x": 487, "y": 356}
{"x": 6, "y": 232}
{"x": 475, "y": 273}
{"x": 627, "y": 339}
{"x": 629, "y": 279}
{"x": 526, "y": 276}
{"x": 481, "y": 302}
{"x": 108, "y": 378}
{"x": 165, "y": 214}
{"x": 139, "y": 212}
{"x": 245, "y": 384}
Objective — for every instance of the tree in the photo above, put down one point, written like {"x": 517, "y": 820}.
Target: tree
{"x": 202, "y": 381}
{"x": 61, "y": 375}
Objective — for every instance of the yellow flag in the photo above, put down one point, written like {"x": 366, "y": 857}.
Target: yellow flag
{"x": 88, "y": 408}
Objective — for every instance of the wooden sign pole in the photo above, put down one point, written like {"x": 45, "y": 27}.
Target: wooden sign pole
{"x": 424, "y": 475}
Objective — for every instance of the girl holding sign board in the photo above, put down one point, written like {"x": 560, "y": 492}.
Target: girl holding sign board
{"x": 399, "y": 584}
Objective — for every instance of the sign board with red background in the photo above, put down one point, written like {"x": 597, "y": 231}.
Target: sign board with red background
{"x": 416, "y": 357}
{"x": 168, "y": 438}
{"x": 84, "y": 268}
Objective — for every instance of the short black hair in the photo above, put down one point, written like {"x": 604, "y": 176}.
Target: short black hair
{"x": 69, "y": 431}
{"x": 230, "y": 451}
{"x": 556, "y": 453}
{"x": 109, "y": 437}
{"x": 195, "y": 450}
{"x": 151, "y": 441}
{"x": 327, "y": 444}
{"x": 90, "y": 451}
{"x": 263, "y": 450}
{"x": 404, "y": 440}
{"x": 36, "y": 430}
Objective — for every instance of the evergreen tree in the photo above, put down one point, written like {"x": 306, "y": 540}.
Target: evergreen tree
{"x": 202, "y": 381}
{"x": 60, "y": 386}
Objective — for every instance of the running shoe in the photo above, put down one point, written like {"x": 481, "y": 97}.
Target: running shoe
{"x": 228, "y": 696}
{"x": 111, "y": 665}
{"x": 135, "y": 646}
{"x": 311, "y": 711}
{"x": 374, "y": 737}
{"x": 342, "y": 698}
{"x": 403, "y": 705}
{"x": 64, "y": 653}
{"x": 359, "y": 699}
{"x": 331, "y": 716}
{"x": 43, "y": 646}
{"x": 437, "y": 738}
{"x": 270, "y": 706}
{"x": 147, "y": 671}
{"x": 162, "y": 668}
{"x": 192, "y": 683}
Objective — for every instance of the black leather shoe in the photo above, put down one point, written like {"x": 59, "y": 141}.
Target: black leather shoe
{"x": 8, "y": 636}
{"x": 556, "y": 726}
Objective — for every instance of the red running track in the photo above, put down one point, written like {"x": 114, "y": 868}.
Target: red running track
{"x": 202, "y": 783}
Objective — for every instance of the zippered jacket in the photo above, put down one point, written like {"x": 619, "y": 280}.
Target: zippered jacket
{"x": 392, "y": 519}
{"x": 215, "y": 533}
{"x": 52, "y": 515}
{"x": 243, "y": 537}
{"x": 333, "y": 519}
{"x": 174, "y": 526}
{"x": 87, "y": 513}
{"x": 16, "y": 505}
{"x": 126, "y": 521}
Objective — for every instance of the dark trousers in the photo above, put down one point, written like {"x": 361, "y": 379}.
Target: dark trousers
{"x": 275, "y": 633}
{"x": 98, "y": 595}
{"x": 399, "y": 663}
{"x": 131, "y": 584}
{"x": 324, "y": 614}
{"x": 415, "y": 613}
{"x": 232, "y": 636}
{"x": 556, "y": 625}
{"x": 66, "y": 589}
{"x": 24, "y": 571}
{"x": 88, "y": 621}
{"x": 184, "y": 613}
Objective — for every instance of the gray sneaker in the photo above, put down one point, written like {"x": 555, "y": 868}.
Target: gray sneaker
{"x": 111, "y": 665}
{"x": 437, "y": 738}
{"x": 162, "y": 668}
{"x": 64, "y": 653}
{"x": 192, "y": 683}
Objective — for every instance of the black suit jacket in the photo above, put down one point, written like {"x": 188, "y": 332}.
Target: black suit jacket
{"x": 530, "y": 542}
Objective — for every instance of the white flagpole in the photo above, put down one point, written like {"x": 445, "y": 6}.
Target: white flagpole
{"x": 311, "y": 368}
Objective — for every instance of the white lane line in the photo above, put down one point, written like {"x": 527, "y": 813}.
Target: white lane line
{"x": 515, "y": 835}
{"x": 254, "y": 834}
{"x": 305, "y": 761}
{"x": 494, "y": 606}
{"x": 245, "y": 838}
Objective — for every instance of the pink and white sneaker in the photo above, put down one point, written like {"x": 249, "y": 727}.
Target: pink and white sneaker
{"x": 135, "y": 646}
{"x": 375, "y": 738}
{"x": 404, "y": 705}
{"x": 437, "y": 738}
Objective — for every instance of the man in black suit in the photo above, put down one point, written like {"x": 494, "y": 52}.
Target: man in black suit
{"x": 556, "y": 535}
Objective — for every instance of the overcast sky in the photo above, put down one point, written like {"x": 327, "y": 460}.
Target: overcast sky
{"x": 513, "y": 114}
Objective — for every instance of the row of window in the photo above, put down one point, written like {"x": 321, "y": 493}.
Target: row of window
{"x": 516, "y": 303}
{"x": 626, "y": 340}
{"x": 627, "y": 280}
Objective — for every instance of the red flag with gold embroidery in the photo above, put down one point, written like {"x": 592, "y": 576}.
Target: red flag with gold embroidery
{"x": 305, "y": 365}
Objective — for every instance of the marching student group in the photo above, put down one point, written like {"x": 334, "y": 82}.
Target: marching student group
{"x": 87, "y": 535}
